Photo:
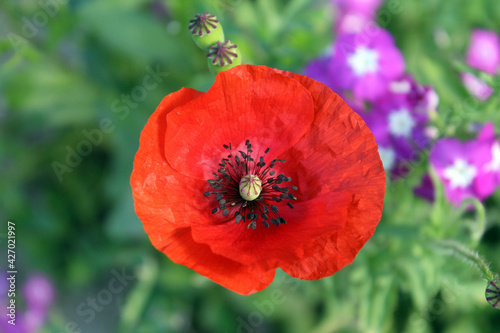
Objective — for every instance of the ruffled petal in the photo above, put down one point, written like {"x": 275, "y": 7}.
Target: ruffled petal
{"x": 253, "y": 103}
{"x": 275, "y": 246}
{"x": 339, "y": 151}
{"x": 161, "y": 194}
{"x": 322, "y": 206}
{"x": 327, "y": 255}
{"x": 179, "y": 246}
{"x": 338, "y": 154}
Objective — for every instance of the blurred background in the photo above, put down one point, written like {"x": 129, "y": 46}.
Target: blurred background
{"x": 73, "y": 100}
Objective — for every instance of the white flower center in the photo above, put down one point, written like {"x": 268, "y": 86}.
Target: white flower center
{"x": 388, "y": 157}
{"x": 400, "y": 87}
{"x": 401, "y": 123}
{"x": 494, "y": 165}
{"x": 363, "y": 61}
{"x": 460, "y": 174}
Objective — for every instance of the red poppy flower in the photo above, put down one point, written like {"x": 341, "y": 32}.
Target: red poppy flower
{"x": 267, "y": 169}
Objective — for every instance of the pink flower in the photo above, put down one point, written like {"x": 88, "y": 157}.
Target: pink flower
{"x": 484, "y": 51}
{"x": 39, "y": 292}
{"x": 365, "y": 6}
{"x": 490, "y": 173}
{"x": 353, "y": 21}
{"x": 399, "y": 121}
{"x": 468, "y": 169}
{"x": 476, "y": 87}
{"x": 365, "y": 63}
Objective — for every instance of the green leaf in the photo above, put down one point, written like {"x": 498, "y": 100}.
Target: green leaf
{"x": 45, "y": 92}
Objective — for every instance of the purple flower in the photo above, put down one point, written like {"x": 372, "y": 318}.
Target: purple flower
{"x": 367, "y": 67}
{"x": 378, "y": 126}
{"x": 490, "y": 175}
{"x": 476, "y": 87}
{"x": 399, "y": 132}
{"x": 422, "y": 99}
{"x": 425, "y": 189}
{"x": 365, "y": 63}
{"x": 353, "y": 16}
{"x": 484, "y": 51}
{"x": 38, "y": 292}
{"x": 33, "y": 320}
{"x": 350, "y": 22}
{"x": 399, "y": 122}
{"x": 460, "y": 167}
{"x": 365, "y": 6}
{"x": 318, "y": 69}
{"x": 5, "y": 327}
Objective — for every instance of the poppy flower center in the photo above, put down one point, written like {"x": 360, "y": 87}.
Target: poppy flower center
{"x": 249, "y": 190}
{"x": 250, "y": 187}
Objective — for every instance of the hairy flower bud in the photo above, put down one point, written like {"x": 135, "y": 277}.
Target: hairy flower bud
{"x": 493, "y": 293}
{"x": 223, "y": 56}
{"x": 206, "y": 30}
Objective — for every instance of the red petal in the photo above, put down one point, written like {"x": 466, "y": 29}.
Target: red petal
{"x": 166, "y": 200}
{"x": 243, "y": 279}
{"x": 276, "y": 246}
{"x": 338, "y": 154}
{"x": 246, "y": 102}
{"x": 159, "y": 191}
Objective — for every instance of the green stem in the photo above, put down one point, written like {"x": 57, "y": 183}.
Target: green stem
{"x": 138, "y": 298}
{"x": 438, "y": 209}
{"x": 480, "y": 225}
{"x": 468, "y": 255}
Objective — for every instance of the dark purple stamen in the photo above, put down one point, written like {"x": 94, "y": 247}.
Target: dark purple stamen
{"x": 223, "y": 54}
{"x": 202, "y": 22}
{"x": 227, "y": 193}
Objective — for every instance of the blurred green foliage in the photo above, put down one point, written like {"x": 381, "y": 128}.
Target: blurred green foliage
{"x": 69, "y": 65}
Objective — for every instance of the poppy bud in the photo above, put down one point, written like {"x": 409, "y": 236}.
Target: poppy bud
{"x": 223, "y": 56}
{"x": 493, "y": 293}
{"x": 206, "y": 30}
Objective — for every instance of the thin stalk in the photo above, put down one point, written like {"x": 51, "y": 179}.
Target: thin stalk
{"x": 467, "y": 255}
